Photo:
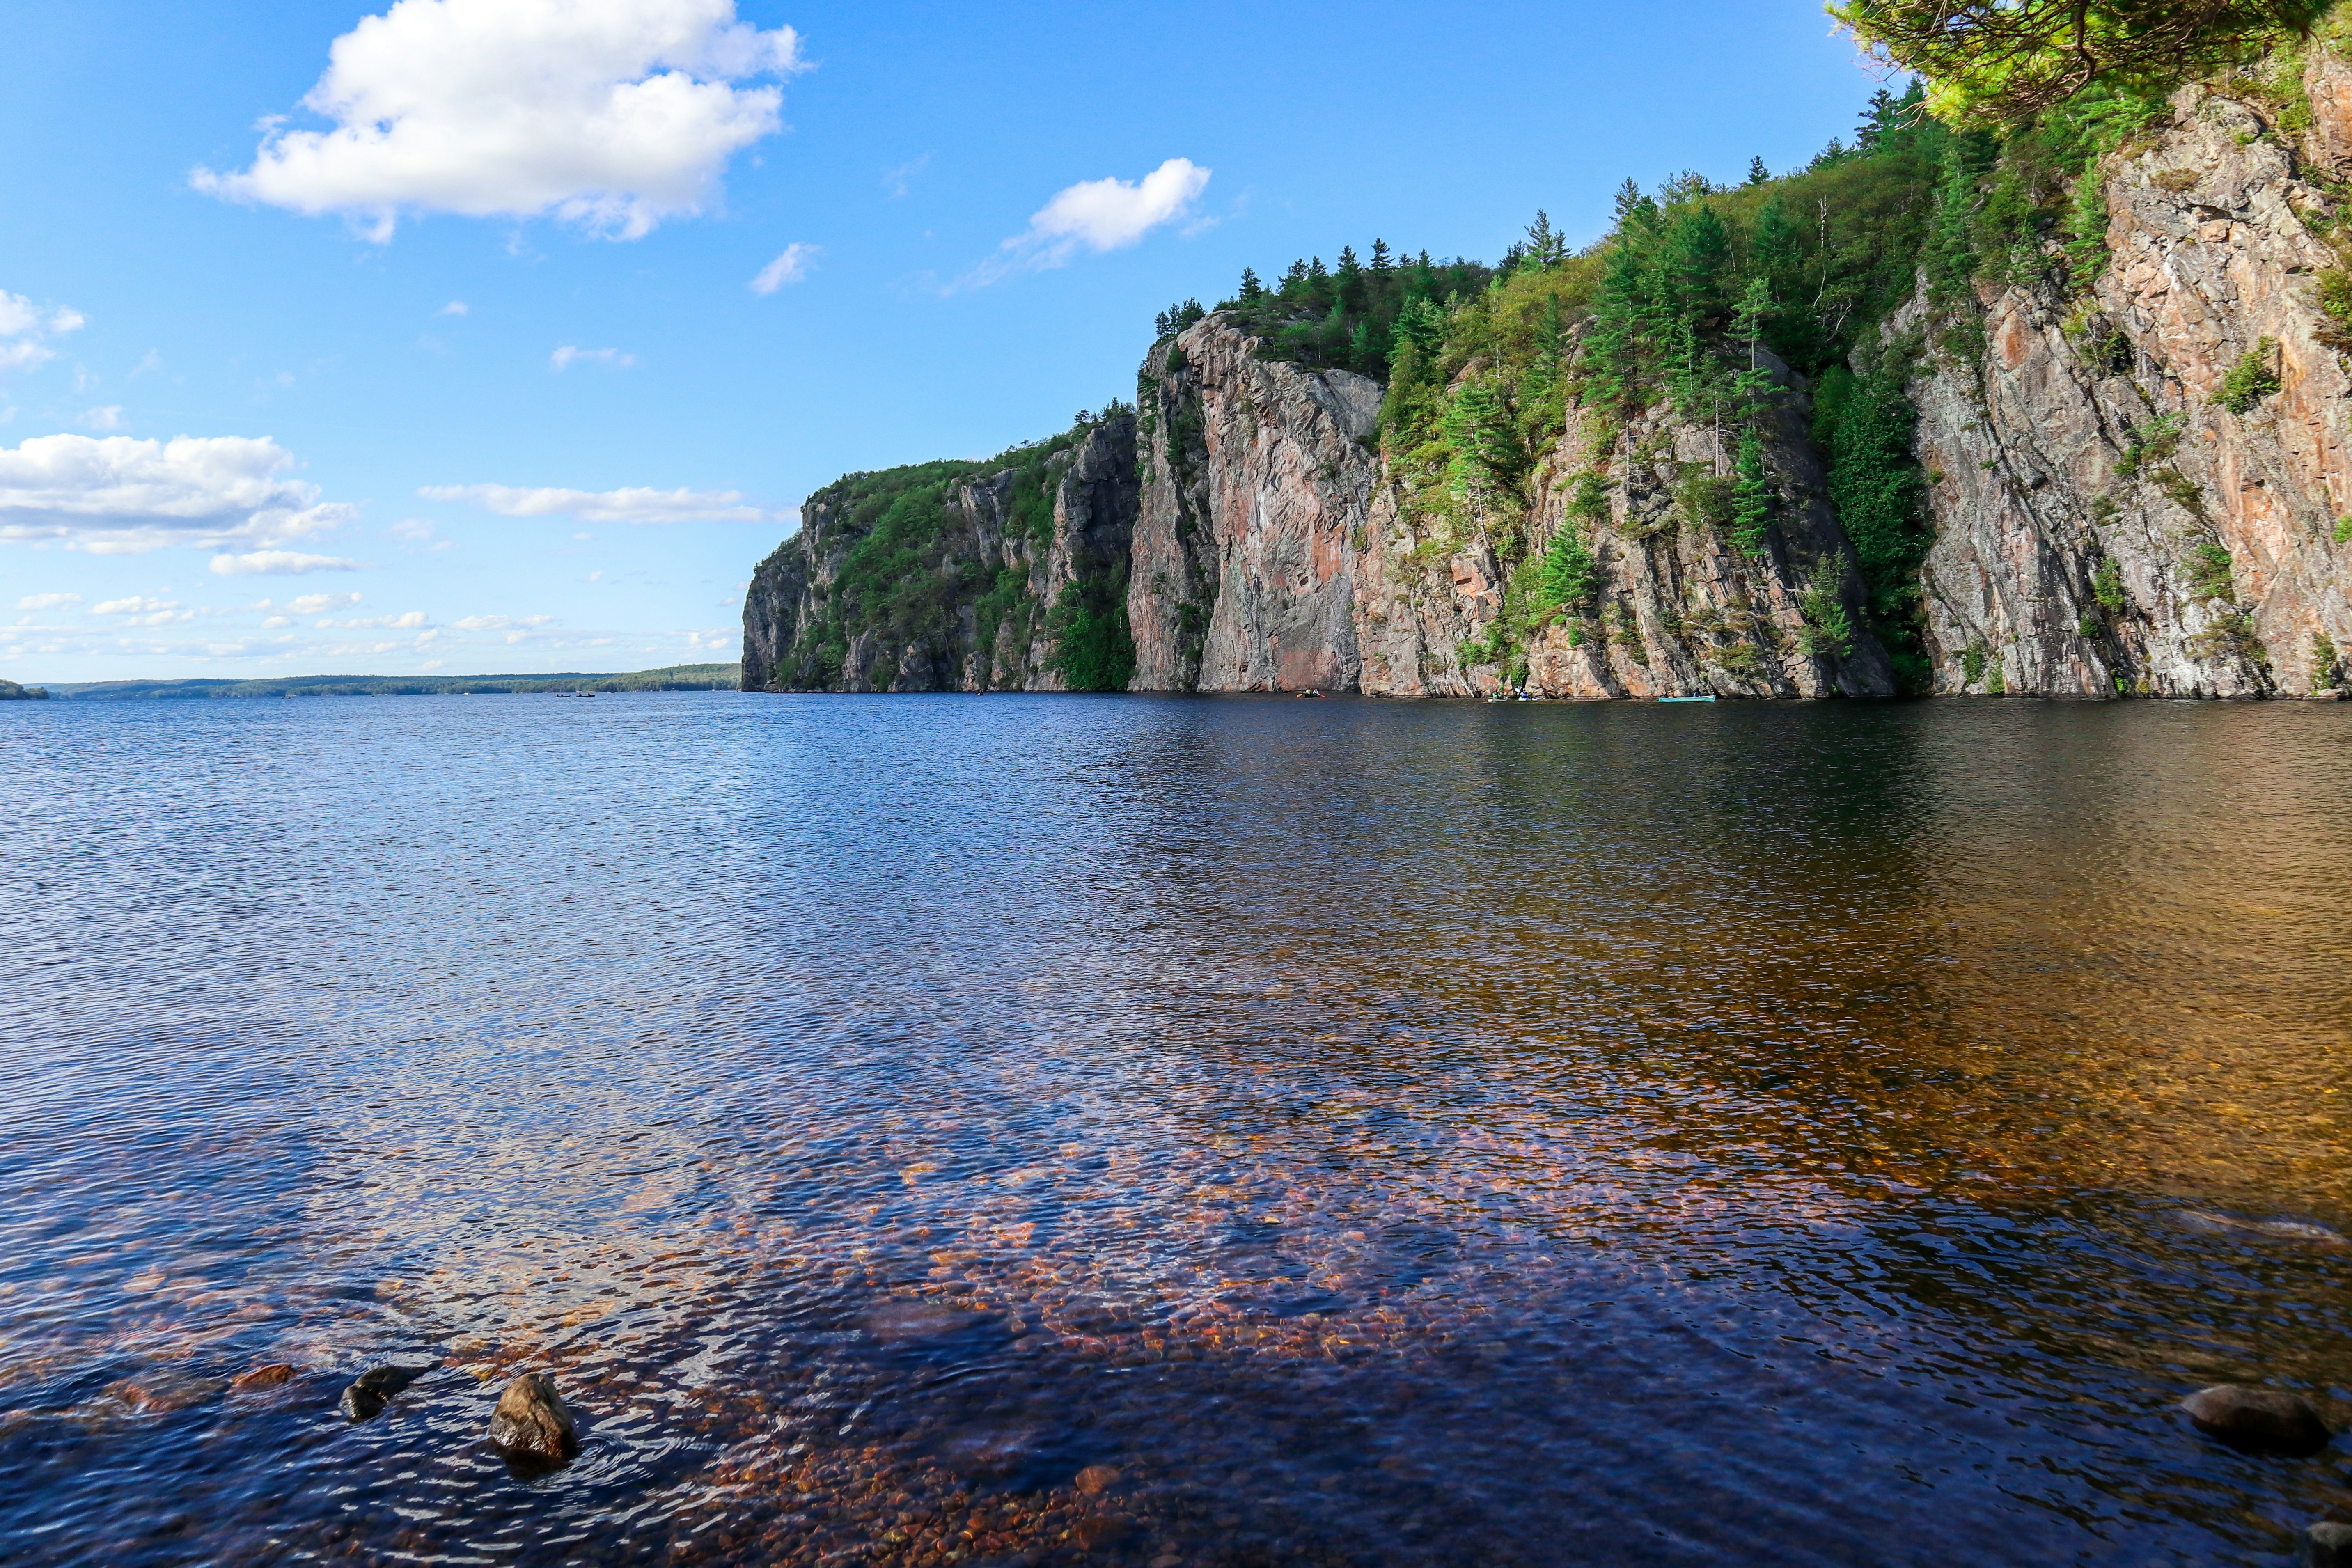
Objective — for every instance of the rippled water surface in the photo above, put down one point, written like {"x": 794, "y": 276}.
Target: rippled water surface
{"x": 1187, "y": 1131}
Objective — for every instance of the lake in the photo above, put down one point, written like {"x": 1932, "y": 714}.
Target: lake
{"x": 1171, "y": 1131}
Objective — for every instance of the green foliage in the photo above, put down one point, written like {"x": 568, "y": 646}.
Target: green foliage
{"x": 1972, "y": 663}
{"x": 1877, "y": 486}
{"x": 2152, "y": 443}
{"x": 1095, "y": 651}
{"x": 2325, "y": 671}
{"x": 1355, "y": 319}
{"x": 2107, "y": 586}
{"x": 1570, "y": 575}
{"x": 2229, "y": 634}
{"x": 1828, "y": 630}
{"x": 2209, "y": 574}
{"x": 1176, "y": 318}
{"x": 2251, "y": 379}
{"x": 911, "y": 571}
{"x": 1995, "y": 61}
{"x": 2344, "y": 530}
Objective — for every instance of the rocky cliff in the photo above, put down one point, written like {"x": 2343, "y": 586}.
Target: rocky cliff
{"x": 1006, "y": 576}
{"x": 1273, "y": 552}
{"x": 2141, "y": 493}
{"x": 2102, "y": 451}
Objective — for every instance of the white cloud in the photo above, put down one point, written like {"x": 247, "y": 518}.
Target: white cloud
{"x": 47, "y": 601}
{"x": 1099, "y": 215}
{"x": 633, "y": 504}
{"x": 280, "y": 564}
{"x": 896, "y": 181}
{"x": 319, "y": 603}
{"x": 408, "y": 622}
{"x": 141, "y": 611}
{"x": 613, "y": 114}
{"x": 500, "y": 624}
{"x": 24, "y": 325}
{"x": 567, "y": 356}
{"x": 454, "y": 307}
{"x": 107, "y": 418}
{"x": 113, "y": 495}
{"x": 789, "y": 267}
{"x": 411, "y": 528}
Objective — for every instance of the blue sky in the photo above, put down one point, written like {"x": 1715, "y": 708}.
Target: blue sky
{"x": 511, "y": 341}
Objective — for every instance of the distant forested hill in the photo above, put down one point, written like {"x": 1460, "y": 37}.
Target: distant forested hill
{"x": 671, "y": 678}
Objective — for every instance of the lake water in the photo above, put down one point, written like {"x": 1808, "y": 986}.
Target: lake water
{"x": 1346, "y": 1133}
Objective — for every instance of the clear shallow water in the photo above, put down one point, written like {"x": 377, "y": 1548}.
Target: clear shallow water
{"x": 1378, "y": 1133}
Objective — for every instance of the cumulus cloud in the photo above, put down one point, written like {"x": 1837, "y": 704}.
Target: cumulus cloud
{"x": 280, "y": 564}
{"x": 567, "y": 356}
{"x": 613, "y": 114}
{"x": 408, "y": 622}
{"x": 114, "y": 495}
{"x": 633, "y": 504}
{"x": 318, "y": 604}
{"x": 141, "y": 611}
{"x": 789, "y": 267}
{"x": 1098, "y": 215}
{"x": 500, "y": 623}
{"x": 107, "y": 418}
{"x": 25, "y": 327}
{"x": 48, "y": 601}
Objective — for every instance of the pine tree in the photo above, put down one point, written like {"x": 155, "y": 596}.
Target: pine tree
{"x": 1758, "y": 175}
{"x": 1379, "y": 257}
{"x": 1252, "y": 290}
{"x": 1751, "y": 488}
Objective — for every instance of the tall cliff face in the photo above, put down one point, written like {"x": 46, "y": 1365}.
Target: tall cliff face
{"x": 955, "y": 577}
{"x": 2108, "y": 516}
{"x": 1273, "y": 552}
{"x": 1676, "y": 607}
{"x": 1256, "y": 474}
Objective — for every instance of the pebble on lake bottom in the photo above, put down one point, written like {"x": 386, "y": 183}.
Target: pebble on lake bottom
{"x": 373, "y": 1389}
{"x": 269, "y": 1377}
{"x": 530, "y": 1420}
{"x": 1097, "y": 1478}
{"x": 2258, "y": 1420}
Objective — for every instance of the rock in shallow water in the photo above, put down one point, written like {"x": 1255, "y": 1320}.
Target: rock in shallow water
{"x": 373, "y": 1389}
{"x": 530, "y": 1420}
{"x": 268, "y": 1376}
{"x": 2257, "y": 1420}
{"x": 2327, "y": 1544}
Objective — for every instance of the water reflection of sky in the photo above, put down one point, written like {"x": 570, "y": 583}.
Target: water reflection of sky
{"x": 1415, "y": 1133}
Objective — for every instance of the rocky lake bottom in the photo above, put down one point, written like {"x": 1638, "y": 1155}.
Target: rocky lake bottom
{"x": 1180, "y": 1133}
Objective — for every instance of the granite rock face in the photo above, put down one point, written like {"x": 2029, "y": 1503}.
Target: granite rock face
{"x": 1273, "y": 552}
{"x": 1257, "y": 476}
{"x": 2103, "y": 525}
{"x": 794, "y": 613}
{"x": 1680, "y": 609}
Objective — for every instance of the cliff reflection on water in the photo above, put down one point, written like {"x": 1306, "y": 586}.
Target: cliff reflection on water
{"x": 1341, "y": 1132}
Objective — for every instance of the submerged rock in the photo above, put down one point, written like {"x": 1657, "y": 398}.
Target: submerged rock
{"x": 2258, "y": 1420}
{"x": 268, "y": 1376}
{"x": 161, "y": 1392}
{"x": 2327, "y": 1544}
{"x": 530, "y": 1420}
{"x": 1097, "y": 1479}
{"x": 373, "y": 1389}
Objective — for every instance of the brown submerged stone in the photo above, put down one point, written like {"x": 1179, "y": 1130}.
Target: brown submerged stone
{"x": 530, "y": 1420}
{"x": 269, "y": 1377}
{"x": 2258, "y": 1420}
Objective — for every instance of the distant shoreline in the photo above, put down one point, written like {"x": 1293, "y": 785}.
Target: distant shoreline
{"x": 670, "y": 678}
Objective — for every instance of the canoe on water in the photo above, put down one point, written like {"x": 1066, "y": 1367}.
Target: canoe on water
{"x": 1708, "y": 698}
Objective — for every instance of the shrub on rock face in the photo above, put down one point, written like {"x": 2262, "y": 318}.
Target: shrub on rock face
{"x": 2250, "y": 380}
